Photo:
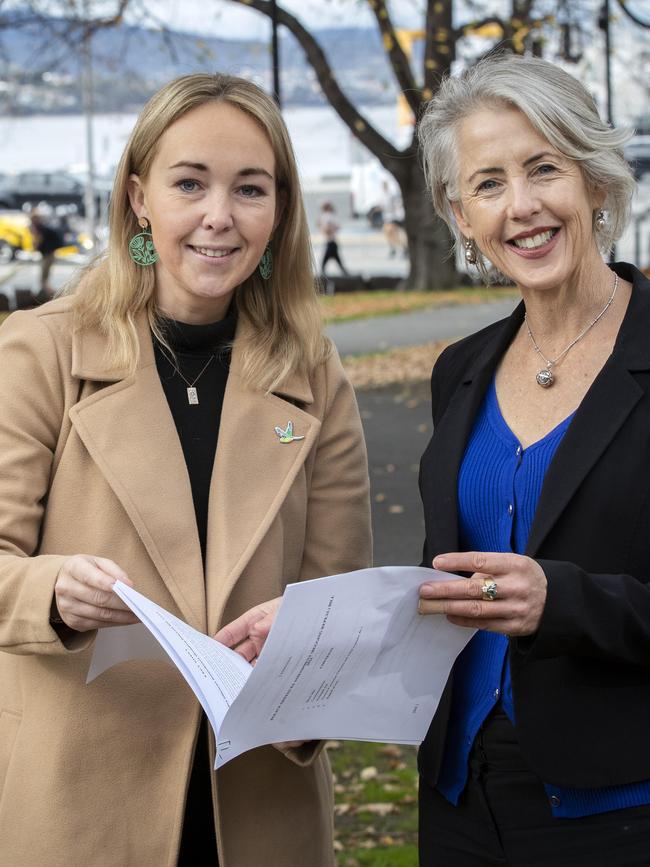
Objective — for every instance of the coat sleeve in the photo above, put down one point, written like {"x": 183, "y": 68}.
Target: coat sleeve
{"x": 591, "y": 615}
{"x": 338, "y": 537}
{"x": 33, "y": 406}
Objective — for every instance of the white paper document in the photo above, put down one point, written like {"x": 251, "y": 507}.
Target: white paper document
{"x": 348, "y": 657}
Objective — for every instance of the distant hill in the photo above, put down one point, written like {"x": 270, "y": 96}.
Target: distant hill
{"x": 40, "y": 69}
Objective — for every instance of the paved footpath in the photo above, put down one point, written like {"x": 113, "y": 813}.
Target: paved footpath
{"x": 363, "y": 336}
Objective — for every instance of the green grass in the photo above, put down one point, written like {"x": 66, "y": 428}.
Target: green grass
{"x": 376, "y": 804}
{"x": 396, "y": 856}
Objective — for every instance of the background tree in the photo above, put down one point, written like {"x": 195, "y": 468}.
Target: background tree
{"x": 428, "y": 237}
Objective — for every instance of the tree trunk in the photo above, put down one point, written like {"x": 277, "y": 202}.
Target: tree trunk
{"x": 430, "y": 245}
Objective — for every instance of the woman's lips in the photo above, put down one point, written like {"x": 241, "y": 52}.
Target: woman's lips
{"x": 536, "y": 252}
{"x": 215, "y": 256}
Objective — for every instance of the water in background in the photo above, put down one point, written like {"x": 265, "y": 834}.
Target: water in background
{"x": 324, "y": 146}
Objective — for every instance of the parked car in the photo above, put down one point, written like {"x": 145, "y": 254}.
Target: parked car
{"x": 16, "y": 238}
{"x": 55, "y": 188}
{"x": 15, "y": 235}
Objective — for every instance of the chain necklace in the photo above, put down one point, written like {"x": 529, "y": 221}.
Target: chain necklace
{"x": 545, "y": 377}
{"x": 192, "y": 392}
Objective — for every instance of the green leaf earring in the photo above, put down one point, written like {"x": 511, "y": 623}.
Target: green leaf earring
{"x": 141, "y": 248}
{"x": 265, "y": 266}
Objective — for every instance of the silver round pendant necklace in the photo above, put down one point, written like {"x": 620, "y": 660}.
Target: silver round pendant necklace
{"x": 545, "y": 377}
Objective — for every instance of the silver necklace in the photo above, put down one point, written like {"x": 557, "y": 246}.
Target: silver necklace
{"x": 545, "y": 377}
{"x": 192, "y": 392}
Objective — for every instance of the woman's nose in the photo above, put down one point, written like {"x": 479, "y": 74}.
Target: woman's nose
{"x": 523, "y": 200}
{"x": 218, "y": 212}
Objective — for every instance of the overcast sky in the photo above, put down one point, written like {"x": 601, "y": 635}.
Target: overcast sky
{"x": 223, "y": 18}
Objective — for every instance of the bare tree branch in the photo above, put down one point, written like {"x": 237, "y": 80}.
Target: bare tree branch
{"x": 383, "y": 149}
{"x": 398, "y": 59}
{"x": 632, "y": 16}
{"x": 439, "y": 45}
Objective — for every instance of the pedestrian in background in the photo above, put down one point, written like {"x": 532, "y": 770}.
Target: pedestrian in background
{"x": 392, "y": 209}
{"x": 329, "y": 227}
{"x": 178, "y": 422}
{"x": 47, "y": 240}
{"x": 536, "y": 485}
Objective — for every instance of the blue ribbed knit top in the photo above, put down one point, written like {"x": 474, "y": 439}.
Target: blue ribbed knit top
{"x": 499, "y": 484}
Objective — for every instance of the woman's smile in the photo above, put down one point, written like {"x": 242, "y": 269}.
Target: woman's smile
{"x": 535, "y": 243}
{"x": 217, "y": 256}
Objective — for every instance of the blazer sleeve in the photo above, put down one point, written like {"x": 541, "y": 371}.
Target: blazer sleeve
{"x": 338, "y": 534}
{"x": 591, "y": 615}
{"x": 33, "y": 406}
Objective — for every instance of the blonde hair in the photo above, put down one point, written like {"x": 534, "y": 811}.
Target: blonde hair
{"x": 286, "y": 333}
{"x": 556, "y": 104}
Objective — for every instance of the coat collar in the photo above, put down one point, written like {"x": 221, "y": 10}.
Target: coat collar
{"x": 129, "y": 432}
{"x": 89, "y": 359}
{"x": 440, "y": 474}
{"x": 613, "y": 395}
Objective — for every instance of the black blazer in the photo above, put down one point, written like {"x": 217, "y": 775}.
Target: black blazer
{"x": 581, "y": 684}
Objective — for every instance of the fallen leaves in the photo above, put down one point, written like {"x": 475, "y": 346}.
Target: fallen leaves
{"x": 375, "y": 790}
{"x": 405, "y": 364}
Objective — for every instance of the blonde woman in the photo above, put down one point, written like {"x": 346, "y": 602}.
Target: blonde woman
{"x": 138, "y": 441}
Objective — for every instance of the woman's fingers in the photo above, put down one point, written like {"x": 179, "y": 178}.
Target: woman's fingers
{"x": 83, "y": 618}
{"x": 476, "y": 561}
{"x": 84, "y": 594}
{"x": 506, "y": 592}
{"x": 252, "y": 627}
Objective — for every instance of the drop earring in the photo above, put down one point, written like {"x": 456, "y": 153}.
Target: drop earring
{"x": 141, "y": 248}
{"x": 265, "y": 266}
{"x": 600, "y": 222}
{"x": 470, "y": 251}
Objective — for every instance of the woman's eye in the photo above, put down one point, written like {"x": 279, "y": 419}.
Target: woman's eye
{"x": 188, "y": 186}
{"x": 545, "y": 169}
{"x": 250, "y": 191}
{"x": 487, "y": 186}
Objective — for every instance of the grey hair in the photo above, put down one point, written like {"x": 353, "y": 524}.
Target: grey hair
{"x": 556, "y": 104}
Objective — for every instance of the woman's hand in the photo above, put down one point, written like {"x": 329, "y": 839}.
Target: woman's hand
{"x": 248, "y": 633}
{"x": 520, "y": 592}
{"x": 84, "y": 594}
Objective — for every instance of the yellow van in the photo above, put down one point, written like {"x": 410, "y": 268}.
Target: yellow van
{"x": 16, "y": 236}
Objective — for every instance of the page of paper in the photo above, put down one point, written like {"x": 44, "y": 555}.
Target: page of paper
{"x": 348, "y": 657}
{"x": 121, "y": 644}
{"x": 214, "y": 672}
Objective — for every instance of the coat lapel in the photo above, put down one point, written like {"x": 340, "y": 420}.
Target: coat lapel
{"x": 604, "y": 409}
{"x": 252, "y": 474}
{"x": 129, "y": 432}
{"x": 440, "y": 473}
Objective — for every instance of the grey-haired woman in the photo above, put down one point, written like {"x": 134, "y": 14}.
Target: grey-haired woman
{"x": 536, "y": 488}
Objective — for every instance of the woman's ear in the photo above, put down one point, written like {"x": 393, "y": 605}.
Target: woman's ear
{"x": 463, "y": 225}
{"x": 136, "y": 196}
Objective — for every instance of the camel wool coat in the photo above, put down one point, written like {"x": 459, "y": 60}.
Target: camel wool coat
{"x": 90, "y": 463}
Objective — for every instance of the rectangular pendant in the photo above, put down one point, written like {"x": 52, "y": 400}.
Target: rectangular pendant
{"x": 192, "y": 395}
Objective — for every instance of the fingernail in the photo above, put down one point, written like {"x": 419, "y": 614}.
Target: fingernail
{"x": 438, "y": 562}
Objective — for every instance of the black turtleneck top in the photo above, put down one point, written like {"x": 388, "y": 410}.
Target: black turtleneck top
{"x": 201, "y": 356}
